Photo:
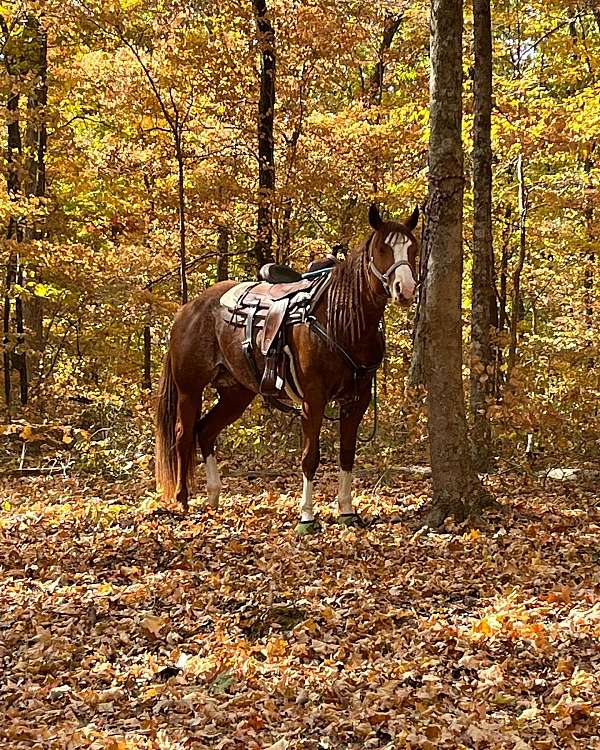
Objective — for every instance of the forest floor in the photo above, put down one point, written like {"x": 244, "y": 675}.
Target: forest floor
{"x": 122, "y": 626}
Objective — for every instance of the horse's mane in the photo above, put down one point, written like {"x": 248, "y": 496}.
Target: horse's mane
{"x": 347, "y": 295}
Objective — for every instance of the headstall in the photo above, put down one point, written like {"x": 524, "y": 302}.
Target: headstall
{"x": 384, "y": 277}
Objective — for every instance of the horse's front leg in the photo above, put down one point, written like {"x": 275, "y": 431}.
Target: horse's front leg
{"x": 350, "y": 418}
{"x": 312, "y": 418}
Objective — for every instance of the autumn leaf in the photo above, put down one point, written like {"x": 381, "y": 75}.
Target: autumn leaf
{"x": 153, "y": 624}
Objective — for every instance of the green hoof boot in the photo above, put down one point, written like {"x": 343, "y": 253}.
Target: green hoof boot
{"x": 350, "y": 519}
{"x": 304, "y": 528}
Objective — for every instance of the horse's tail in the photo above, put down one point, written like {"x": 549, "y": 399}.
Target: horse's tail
{"x": 166, "y": 417}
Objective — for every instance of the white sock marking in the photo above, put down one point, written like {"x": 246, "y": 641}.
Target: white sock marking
{"x": 213, "y": 481}
{"x": 400, "y": 245}
{"x": 306, "y": 506}
{"x": 345, "y": 493}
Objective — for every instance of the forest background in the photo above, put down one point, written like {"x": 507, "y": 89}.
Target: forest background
{"x": 131, "y": 151}
{"x": 132, "y": 138}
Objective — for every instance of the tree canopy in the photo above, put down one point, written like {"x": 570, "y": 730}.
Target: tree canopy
{"x": 350, "y": 126}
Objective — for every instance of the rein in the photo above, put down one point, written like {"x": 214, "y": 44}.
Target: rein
{"x": 358, "y": 371}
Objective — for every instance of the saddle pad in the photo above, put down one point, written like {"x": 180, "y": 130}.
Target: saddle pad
{"x": 231, "y": 296}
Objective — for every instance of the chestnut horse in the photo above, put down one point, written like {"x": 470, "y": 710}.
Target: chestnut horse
{"x": 335, "y": 358}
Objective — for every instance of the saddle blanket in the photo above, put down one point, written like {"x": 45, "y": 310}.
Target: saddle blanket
{"x": 231, "y": 297}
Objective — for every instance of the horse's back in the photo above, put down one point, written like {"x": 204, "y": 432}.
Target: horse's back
{"x": 209, "y": 299}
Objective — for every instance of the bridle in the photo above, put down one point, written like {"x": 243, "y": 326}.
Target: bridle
{"x": 384, "y": 277}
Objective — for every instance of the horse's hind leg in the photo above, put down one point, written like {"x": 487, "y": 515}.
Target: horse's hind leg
{"x": 187, "y": 413}
{"x": 233, "y": 402}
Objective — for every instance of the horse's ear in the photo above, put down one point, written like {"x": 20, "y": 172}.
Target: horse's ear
{"x": 412, "y": 220}
{"x": 374, "y": 217}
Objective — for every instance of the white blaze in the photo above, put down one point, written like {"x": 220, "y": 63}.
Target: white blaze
{"x": 306, "y": 506}
{"x": 213, "y": 481}
{"x": 344, "y": 493}
{"x": 402, "y": 283}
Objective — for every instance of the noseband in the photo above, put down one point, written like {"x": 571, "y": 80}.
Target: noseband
{"x": 384, "y": 277}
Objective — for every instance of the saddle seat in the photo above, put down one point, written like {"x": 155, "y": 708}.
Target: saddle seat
{"x": 276, "y": 273}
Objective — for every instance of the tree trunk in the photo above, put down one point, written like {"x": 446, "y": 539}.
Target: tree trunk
{"x": 12, "y": 359}
{"x": 263, "y": 248}
{"x": 147, "y": 381}
{"x": 183, "y": 286}
{"x": 456, "y": 487}
{"x": 35, "y": 147}
{"x": 223, "y": 254}
{"x": 376, "y": 79}
{"x": 36, "y": 134}
{"x": 20, "y": 357}
{"x": 483, "y": 253}
{"x": 391, "y": 26}
{"x": 502, "y": 294}
{"x": 589, "y": 257}
{"x": 515, "y": 313}
{"x": 25, "y": 175}
{"x": 6, "y": 338}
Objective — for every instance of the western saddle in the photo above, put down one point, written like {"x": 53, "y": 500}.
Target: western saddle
{"x": 265, "y": 309}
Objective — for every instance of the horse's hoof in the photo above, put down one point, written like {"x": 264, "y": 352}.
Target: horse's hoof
{"x": 304, "y": 528}
{"x": 350, "y": 519}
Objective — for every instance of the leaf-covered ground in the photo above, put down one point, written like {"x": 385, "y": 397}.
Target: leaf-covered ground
{"x": 121, "y": 627}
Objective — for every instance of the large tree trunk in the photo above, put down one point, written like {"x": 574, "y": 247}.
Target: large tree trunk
{"x": 456, "y": 487}
{"x": 483, "y": 254}
{"x": 263, "y": 248}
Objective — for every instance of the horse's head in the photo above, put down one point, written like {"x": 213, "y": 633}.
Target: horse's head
{"x": 393, "y": 255}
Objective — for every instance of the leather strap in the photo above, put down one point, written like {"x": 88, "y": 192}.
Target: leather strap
{"x": 359, "y": 371}
{"x": 384, "y": 277}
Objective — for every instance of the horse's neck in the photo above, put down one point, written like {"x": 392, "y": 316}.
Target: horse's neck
{"x": 373, "y": 308}
{"x": 373, "y": 315}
